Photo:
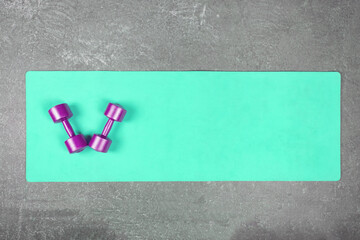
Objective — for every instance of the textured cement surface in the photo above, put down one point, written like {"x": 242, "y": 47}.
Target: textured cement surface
{"x": 177, "y": 35}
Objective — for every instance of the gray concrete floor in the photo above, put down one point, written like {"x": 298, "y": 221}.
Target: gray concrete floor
{"x": 177, "y": 35}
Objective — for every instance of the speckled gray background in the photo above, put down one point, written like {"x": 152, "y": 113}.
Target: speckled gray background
{"x": 177, "y": 35}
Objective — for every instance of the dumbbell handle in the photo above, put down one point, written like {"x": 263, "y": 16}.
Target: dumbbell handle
{"x": 69, "y": 130}
{"x": 107, "y": 127}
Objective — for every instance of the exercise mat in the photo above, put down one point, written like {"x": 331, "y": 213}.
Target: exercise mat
{"x": 187, "y": 126}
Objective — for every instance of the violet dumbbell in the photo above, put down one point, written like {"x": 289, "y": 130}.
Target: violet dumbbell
{"x": 61, "y": 113}
{"x": 100, "y": 142}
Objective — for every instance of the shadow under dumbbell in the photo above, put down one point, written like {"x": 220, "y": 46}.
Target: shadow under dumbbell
{"x": 74, "y": 120}
{"x": 49, "y": 103}
{"x": 88, "y": 138}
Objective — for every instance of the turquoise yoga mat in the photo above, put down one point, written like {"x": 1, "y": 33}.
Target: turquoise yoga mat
{"x": 187, "y": 126}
